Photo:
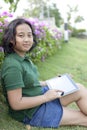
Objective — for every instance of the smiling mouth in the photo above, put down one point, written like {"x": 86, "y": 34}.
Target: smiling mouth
{"x": 26, "y": 45}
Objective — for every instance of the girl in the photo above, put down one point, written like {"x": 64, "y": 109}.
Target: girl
{"x": 29, "y": 100}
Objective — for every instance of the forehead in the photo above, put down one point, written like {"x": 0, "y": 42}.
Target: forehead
{"x": 23, "y": 28}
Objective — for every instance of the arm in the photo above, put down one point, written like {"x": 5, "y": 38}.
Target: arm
{"x": 17, "y": 102}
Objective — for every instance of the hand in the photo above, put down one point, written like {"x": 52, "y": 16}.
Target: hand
{"x": 43, "y": 83}
{"x": 52, "y": 94}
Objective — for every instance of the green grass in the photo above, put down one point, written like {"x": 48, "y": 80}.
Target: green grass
{"x": 71, "y": 58}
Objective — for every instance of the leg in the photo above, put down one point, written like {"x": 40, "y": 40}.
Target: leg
{"x": 80, "y": 97}
{"x": 73, "y": 117}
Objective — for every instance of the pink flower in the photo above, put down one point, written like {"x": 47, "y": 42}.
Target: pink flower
{"x": 1, "y": 30}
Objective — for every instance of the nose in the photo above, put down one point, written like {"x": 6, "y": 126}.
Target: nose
{"x": 26, "y": 39}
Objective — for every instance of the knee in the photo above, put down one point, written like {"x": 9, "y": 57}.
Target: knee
{"x": 82, "y": 89}
{"x": 80, "y": 85}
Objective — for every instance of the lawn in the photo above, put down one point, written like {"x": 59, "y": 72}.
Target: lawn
{"x": 70, "y": 58}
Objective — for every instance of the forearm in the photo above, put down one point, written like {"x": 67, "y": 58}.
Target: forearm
{"x": 18, "y": 102}
{"x": 29, "y": 102}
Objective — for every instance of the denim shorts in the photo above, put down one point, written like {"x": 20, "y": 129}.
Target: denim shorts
{"x": 48, "y": 114}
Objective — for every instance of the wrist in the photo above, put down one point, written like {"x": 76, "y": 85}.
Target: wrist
{"x": 44, "y": 98}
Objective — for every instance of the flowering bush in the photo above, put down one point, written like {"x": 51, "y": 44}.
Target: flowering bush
{"x": 48, "y": 40}
{"x": 3, "y": 22}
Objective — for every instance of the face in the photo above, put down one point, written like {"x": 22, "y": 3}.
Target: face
{"x": 24, "y": 39}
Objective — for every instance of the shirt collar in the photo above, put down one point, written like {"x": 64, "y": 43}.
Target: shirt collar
{"x": 19, "y": 58}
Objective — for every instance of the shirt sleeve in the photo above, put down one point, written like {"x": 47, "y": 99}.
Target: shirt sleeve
{"x": 13, "y": 78}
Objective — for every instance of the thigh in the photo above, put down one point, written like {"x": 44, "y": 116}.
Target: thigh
{"x": 73, "y": 117}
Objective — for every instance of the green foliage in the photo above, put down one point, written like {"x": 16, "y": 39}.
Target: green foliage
{"x": 73, "y": 14}
{"x": 1, "y": 58}
{"x": 13, "y": 4}
{"x": 77, "y": 32}
{"x": 54, "y": 12}
{"x": 67, "y": 60}
{"x": 79, "y": 19}
{"x": 46, "y": 47}
{"x": 2, "y": 19}
{"x": 3, "y": 23}
{"x": 74, "y": 32}
{"x": 35, "y": 10}
{"x": 1, "y": 61}
{"x": 81, "y": 30}
{"x": 49, "y": 40}
{"x": 42, "y": 8}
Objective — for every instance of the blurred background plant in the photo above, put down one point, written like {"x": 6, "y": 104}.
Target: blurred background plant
{"x": 48, "y": 38}
{"x": 3, "y": 23}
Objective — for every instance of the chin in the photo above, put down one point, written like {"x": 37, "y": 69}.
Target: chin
{"x": 26, "y": 49}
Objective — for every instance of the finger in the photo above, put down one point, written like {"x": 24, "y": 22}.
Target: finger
{"x": 57, "y": 90}
{"x": 60, "y": 93}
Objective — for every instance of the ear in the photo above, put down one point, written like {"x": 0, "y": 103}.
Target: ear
{"x": 12, "y": 42}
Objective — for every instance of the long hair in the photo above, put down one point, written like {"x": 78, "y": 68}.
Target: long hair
{"x": 10, "y": 34}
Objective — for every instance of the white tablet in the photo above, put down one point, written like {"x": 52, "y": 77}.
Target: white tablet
{"x": 64, "y": 83}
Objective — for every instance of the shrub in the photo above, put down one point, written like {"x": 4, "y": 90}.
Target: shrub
{"x": 78, "y": 32}
{"x": 3, "y": 22}
{"x": 48, "y": 40}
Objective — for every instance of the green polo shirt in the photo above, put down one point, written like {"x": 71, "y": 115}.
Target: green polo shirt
{"x": 18, "y": 72}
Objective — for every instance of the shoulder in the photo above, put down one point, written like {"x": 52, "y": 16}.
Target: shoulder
{"x": 9, "y": 61}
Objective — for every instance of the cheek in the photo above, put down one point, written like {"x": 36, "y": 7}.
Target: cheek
{"x": 18, "y": 40}
{"x": 17, "y": 45}
{"x": 32, "y": 41}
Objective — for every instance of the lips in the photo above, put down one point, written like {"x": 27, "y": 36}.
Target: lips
{"x": 27, "y": 45}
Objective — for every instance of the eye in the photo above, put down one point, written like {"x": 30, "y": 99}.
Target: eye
{"x": 30, "y": 35}
{"x": 21, "y": 35}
